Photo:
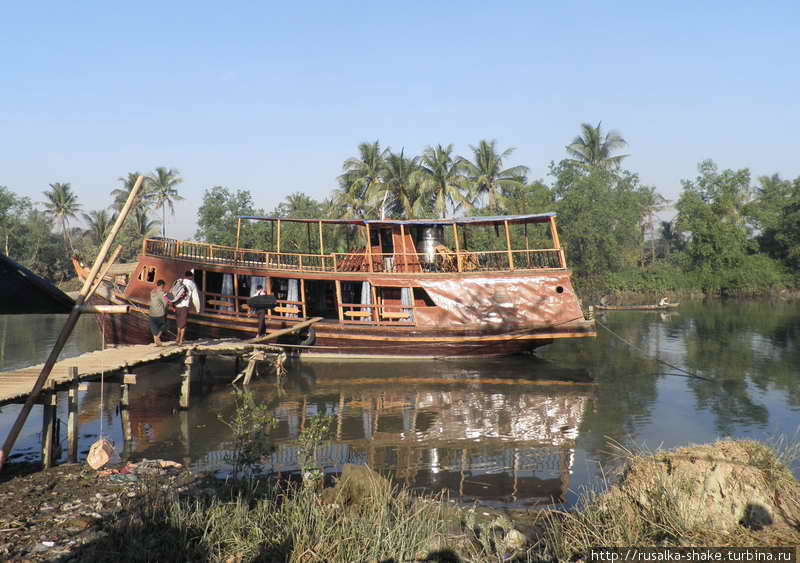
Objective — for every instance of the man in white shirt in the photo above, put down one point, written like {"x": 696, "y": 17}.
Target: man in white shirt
{"x": 182, "y": 303}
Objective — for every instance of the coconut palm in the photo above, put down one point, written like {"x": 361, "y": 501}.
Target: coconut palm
{"x": 400, "y": 189}
{"x": 488, "y": 179}
{"x": 593, "y": 148}
{"x": 443, "y": 180}
{"x": 121, "y": 194}
{"x": 99, "y": 224}
{"x": 62, "y": 205}
{"x": 363, "y": 173}
{"x": 142, "y": 223}
{"x": 162, "y": 191}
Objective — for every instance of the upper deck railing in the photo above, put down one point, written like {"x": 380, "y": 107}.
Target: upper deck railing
{"x": 443, "y": 261}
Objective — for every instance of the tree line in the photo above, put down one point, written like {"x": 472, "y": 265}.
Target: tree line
{"x": 732, "y": 234}
{"x": 43, "y": 236}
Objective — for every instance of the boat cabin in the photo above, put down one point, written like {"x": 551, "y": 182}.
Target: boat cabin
{"x": 355, "y": 271}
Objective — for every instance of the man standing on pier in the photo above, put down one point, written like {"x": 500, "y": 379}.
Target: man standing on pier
{"x": 158, "y": 312}
{"x": 182, "y": 298}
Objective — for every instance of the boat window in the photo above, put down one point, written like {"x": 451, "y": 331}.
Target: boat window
{"x": 147, "y": 275}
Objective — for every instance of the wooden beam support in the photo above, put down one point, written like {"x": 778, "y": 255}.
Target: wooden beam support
{"x": 106, "y": 309}
{"x": 278, "y": 333}
{"x": 321, "y": 242}
{"x": 186, "y": 381}
{"x": 278, "y": 246}
{"x": 49, "y": 421}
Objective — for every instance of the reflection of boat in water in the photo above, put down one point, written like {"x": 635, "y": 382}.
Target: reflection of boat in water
{"x": 491, "y": 442}
{"x": 496, "y": 440}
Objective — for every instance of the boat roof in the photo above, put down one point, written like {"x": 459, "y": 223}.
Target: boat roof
{"x": 477, "y": 220}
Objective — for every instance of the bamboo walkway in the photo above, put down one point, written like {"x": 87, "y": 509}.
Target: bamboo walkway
{"x": 15, "y": 385}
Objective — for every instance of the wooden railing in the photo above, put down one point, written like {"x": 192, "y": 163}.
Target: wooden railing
{"x": 397, "y": 263}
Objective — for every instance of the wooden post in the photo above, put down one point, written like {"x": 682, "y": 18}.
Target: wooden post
{"x": 72, "y": 415}
{"x": 235, "y": 293}
{"x": 557, "y": 242}
{"x": 508, "y": 246}
{"x": 303, "y": 295}
{"x": 68, "y": 327}
{"x": 369, "y": 246}
{"x": 49, "y": 421}
{"x": 321, "y": 241}
{"x": 339, "y": 299}
{"x": 403, "y": 243}
{"x": 459, "y": 265}
{"x": 186, "y": 381}
{"x": 278, "y": 245}
{"x": 238, "y": 232}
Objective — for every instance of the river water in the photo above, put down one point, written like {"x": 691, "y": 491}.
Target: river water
{"x": 516, "y": 432}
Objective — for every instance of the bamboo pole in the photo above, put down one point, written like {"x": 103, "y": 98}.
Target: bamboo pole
{"x": 66, "y": 330}
{"x": 279, "y": 239}
{"x": 321, "y": 243}
{"x": 106, "y": 309}
{"x": 104, "y": 271}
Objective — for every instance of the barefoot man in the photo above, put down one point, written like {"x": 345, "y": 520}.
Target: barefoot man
{"x": 182, "y": 300}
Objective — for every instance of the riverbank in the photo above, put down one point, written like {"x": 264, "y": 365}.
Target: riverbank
{"x": 731, "y": 493}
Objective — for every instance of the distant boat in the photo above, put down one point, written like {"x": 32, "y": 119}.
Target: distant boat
{"x": 656, "y": 307}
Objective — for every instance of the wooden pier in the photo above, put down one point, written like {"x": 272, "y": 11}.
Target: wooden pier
{"x": 117, "y": 365}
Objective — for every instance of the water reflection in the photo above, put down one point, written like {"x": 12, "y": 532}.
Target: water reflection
{"x": 496, "y": 431}
{"x": 510, "y": 441}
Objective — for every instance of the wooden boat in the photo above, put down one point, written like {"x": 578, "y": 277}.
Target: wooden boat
{"x": 656, "y": 307}
{"x": 402, "y": 294}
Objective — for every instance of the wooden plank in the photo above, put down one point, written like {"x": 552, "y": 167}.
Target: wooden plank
{"x": 278, "y": 333}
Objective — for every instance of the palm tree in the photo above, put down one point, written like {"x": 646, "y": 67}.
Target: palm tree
{"x": 62, "y": 205}
{"x": 592, "y": 148}
{"x": 163, "y": 192}
{"x": 142, "y": 222}
{"x": 487, "y": 176}
{"x": 401, "y": 186}
{"x": 363, "y": 173}
{"x": 443, "y": 180}
{"x": 99, "y": 223}
{"x": 120, "y": 195}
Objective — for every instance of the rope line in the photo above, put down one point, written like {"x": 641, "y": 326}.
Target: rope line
{"x": 684, "y": 373}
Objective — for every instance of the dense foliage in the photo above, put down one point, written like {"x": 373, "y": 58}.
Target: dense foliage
{"x": 731, "y": 235}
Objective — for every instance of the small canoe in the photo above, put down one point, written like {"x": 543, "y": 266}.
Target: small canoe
{"x": 636, "y": 307}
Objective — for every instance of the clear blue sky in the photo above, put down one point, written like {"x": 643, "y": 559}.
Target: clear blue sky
{"x": 272, "y": 97}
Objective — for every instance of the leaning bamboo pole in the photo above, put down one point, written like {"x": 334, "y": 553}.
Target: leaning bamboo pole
{"x": 72, "y": 320}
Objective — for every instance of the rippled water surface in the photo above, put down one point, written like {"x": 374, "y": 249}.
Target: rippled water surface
{"x": 521, "y": 431}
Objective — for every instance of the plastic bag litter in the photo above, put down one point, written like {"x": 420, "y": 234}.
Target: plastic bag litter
{"x": 100, "y": 453}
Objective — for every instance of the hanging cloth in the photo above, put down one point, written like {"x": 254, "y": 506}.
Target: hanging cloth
{"x": 227, "y": 287}
{"x": 293, "y": 292}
